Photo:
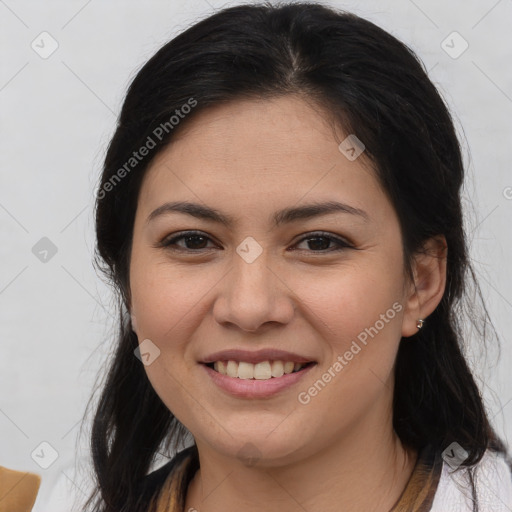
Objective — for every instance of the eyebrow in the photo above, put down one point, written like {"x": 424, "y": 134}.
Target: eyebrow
{"x": 285, "y": 216}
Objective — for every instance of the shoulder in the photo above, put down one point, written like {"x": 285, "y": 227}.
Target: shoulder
{"x": 492, "y": 481}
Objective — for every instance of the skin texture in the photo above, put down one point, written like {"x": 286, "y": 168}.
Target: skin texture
{"x": 249, "y": 159}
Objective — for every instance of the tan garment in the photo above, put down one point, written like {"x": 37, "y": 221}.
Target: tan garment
{"x": 417, "y": 496}
{"x": 18, "y": 490}
{"x": 421, "y": 488}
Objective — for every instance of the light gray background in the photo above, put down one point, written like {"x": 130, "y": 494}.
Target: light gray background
{"x": 57, "y": 116}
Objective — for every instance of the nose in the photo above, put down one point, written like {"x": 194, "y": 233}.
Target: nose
{"x": 253, "y": 297}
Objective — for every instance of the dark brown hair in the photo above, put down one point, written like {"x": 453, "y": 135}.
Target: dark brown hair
{"x": 374, "y": 86}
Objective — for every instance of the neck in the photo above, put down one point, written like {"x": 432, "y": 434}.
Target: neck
{"x": 367, "y": 469}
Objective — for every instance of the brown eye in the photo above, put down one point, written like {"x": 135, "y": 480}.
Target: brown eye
{"x": 321, "y": 242}
{"x": 192, "y": 241}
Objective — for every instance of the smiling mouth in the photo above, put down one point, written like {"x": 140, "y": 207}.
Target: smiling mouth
{"x": 264, "y": 370}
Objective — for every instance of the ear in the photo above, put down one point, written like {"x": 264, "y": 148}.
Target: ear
{"x": 426, "y": 292}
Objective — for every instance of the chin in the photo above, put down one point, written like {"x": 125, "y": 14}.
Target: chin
{"x": 256, "y": 449}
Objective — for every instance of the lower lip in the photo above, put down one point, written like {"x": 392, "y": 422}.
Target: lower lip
{"x": 254, "y": 388}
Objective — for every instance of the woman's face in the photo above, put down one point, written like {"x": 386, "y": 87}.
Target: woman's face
{"x": 328, "y": 289}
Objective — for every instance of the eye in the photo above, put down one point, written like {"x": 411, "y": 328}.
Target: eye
{"x": 196, "y": 241}
{"x": 193, "y": 240}
{"x": 319, "y": 242}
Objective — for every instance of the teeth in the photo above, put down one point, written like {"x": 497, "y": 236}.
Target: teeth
{"x": 245, "y": 370}
{"x": 232, "y": 369}
{"x": 277, "y": 369}
{"x": 263, "y": 370}
{"x": 289, "y": 366}
{"x": 220, "y": 366}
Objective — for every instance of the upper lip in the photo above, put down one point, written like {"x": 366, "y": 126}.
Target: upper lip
{"x": 255, "y": 356}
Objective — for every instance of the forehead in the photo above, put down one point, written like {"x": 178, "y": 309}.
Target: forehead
{"x": 261, "y": 132}
{"x": 250, "y": 152}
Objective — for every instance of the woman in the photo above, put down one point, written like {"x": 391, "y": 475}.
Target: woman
{"x": 280, "y": 213}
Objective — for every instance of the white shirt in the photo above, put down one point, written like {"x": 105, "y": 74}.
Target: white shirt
{"x": 493, "y": 482}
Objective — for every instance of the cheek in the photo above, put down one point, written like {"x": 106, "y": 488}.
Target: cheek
{"x": 168, "y": 304}
{"x": 352, "y": 298}
{"x": 165, "y": 298}
{"x": 357, "y": 312}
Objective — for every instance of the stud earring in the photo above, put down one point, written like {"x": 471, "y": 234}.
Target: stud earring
{"x": 420, "y": 323}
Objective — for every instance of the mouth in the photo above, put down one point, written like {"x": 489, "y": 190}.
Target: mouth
{"x": 263, "y": 370}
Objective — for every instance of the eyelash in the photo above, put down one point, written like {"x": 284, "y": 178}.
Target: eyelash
{"x": 168, "y": 243}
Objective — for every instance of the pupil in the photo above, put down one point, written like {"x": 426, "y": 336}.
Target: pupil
{"x": 195, "y": 237}
{"x": 317, "y": 244}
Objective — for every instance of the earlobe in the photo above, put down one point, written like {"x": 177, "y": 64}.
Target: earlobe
{"x": 427, "y": 290}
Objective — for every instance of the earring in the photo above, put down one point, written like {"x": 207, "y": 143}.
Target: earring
{"x": 420, "y": 323}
